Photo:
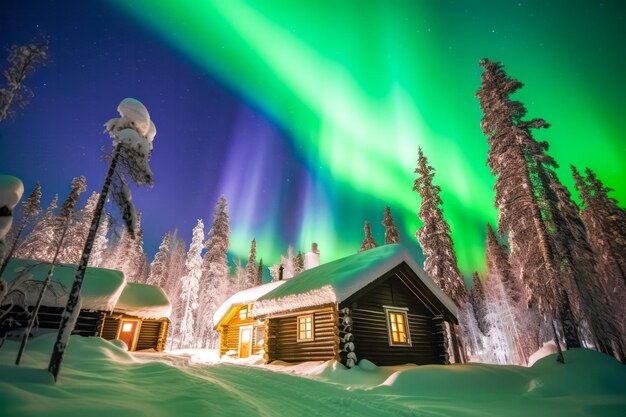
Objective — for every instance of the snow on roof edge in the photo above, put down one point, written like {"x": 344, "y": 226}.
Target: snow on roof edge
{"x": 318, "y": 297}
{"x": 246, "y": 296}
{"x": 348, "y": 279}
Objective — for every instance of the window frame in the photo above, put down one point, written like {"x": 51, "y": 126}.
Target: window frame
{"x": 407, "y": 331}
{"x": 305, "y": 339}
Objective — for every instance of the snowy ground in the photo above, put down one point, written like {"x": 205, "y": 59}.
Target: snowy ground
{"x": 99, "y": 379}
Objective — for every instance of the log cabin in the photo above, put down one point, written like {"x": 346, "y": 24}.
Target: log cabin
{"x": 111, "y": 307}
{"x": 377, "y": 305}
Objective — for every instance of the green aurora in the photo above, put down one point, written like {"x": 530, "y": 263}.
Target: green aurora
{"x": 359, "y": 85}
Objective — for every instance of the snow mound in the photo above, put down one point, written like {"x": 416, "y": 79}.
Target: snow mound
{"x": 136, "y": 113}
{"x": 548, "y": 348}
{"x": 11, "y": 190}
{"x": 100, "y": 379}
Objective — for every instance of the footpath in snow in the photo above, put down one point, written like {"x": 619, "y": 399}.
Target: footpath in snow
{"x": 100, "y": 379}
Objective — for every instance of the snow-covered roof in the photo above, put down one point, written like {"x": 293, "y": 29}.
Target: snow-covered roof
{"x": 100, "y": 291}
{"x": 144, "y": 301}
{"x": 247, "y": 296}
{"x": 336, "y": 281}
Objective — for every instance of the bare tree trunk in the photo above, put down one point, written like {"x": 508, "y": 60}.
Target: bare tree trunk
{"x": 68, "y": 319}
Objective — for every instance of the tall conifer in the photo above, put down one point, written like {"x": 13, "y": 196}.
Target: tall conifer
{"x": 368, "y": 241}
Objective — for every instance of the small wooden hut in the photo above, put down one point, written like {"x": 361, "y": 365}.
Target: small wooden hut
{"x": 377, "y": 305}
{"x": 111, "y": 308}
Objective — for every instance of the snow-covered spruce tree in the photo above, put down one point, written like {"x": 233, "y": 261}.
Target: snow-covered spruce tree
{"x": 368, "y": 241}
{"x": 240, "y": 276}
{"x": 190, "y": 287}
{"x": 129, "y": 256}
{"x": 31, "y": 207}
{"x": 37, "y": 243}
{"x": 23, "y": 60}
{"x": 289, "y": 264}
{"x": 391, "y": 231}
{"x": 275, "y": 272}
{"x": 172, "y": 284}
{"x": 596, "y": 321}
{"x": 160, "y": 263}
{"x": 508, "y": 292}
{"x": 132, "y": 136}
{"x": 434, "y": 236}
{"x": 77, "y": 232}
{"x": 63, "y": 221}
{"x": 100, "y": 242}
{"x": 259, "y": 273}
{"x": 251, "y": 267}
{"x": 299, "y": 263}
{"x": 478, "y": 301}
{"x": 605, "y": 223}
{"x": 214, "y": 286}
{"x": 441, "y": 262}
{"x": 525, "y": 200}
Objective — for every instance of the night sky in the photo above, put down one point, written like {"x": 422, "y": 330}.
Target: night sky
{"x": 307, "y": 115}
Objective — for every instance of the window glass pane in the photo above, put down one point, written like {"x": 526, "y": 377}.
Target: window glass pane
{"x": 397, "y": 327}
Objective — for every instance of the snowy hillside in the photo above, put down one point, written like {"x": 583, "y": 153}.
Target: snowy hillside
{"x": 99, "y": 379}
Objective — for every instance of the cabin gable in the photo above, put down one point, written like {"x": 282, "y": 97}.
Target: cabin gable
{"x": 230, "y": 329}
{"x": 370, "y": 311}
{"x": 284, "y": 343}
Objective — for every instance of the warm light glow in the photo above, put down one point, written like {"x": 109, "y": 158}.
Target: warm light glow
{"x": 305, "y": 327}
{"x": 243, "y": 313}
{"x": 398, "y": 328}
{"x": 127, "y": 327}
{"x": 245, "y": 335}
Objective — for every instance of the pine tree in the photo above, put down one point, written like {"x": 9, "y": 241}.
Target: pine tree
{"x": 289, "y": 263}
{"x": 604, "y": 219}
{"x": 508, "y": 293}
{"x": 214, "y": 284}
{"x": 527, "y": 204}
{"x": 31, "y": 207}
{"x": 77, "y": 232}
{"x": 100, "y": 242}
{"x": 434, "y": 236}
{"x": 240, "y": 276}
{"x": 190, "y": 286}
{"x": 477, "y": 299}
{"x": 259, "y": 273}
{"x": 130, "y": 257}
{"x": 251, "y": 267}
{"x": 37, "y": 243}
{"x": 172, "y": 284}
{"x": 299, "y": 263}
{"x": 66, "y": 213}
{"x": 23, "y": 61}
{"x": 368, "y": 242}
{"x": 391, "y": 231}
{"x": 160, "y": 264}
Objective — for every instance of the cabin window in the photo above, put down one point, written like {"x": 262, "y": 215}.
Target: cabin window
{"x": 398, "y": 327}
{"x": 305, "y": 328}
{"x": 243, "y": 313}
{"x": 127, "y": 327}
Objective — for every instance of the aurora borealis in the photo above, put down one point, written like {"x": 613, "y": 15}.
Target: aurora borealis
{"x": 307, "y": 115}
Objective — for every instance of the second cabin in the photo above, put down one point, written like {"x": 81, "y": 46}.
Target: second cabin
{"x": 377, "y": 305}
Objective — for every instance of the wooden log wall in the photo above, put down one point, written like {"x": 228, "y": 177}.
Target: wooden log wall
{"x": 370, "y": 332}
{"x": 151, "y": 335}
{"x": 229, "y": 334}
{"x": 88, "y": 323}
{"x": 281, "y": 341}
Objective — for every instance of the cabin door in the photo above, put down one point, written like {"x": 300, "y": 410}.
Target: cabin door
{"x": 245, "y": 341}
{"x": 128, "y": 332}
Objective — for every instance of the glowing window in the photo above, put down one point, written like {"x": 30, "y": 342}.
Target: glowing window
{"x": 305, "y": 328}
{"x": 398, "y": 327}
{"x": 243, "y": 313}
{"x": 127, "y": 327}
